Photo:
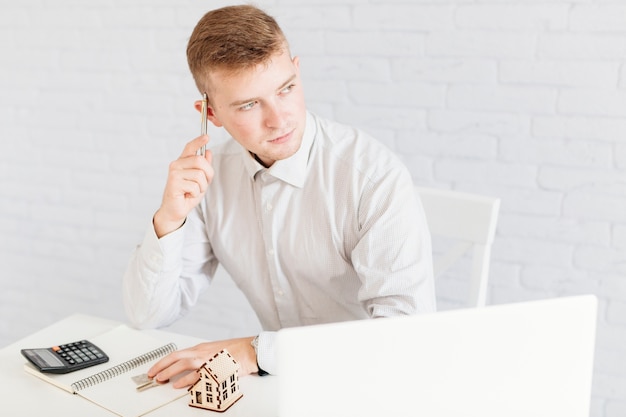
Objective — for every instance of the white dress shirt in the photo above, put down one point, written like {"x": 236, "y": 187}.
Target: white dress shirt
{"x": 333, "y": 233}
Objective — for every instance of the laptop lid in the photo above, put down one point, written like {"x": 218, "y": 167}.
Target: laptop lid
{"x": 523, "y": 359}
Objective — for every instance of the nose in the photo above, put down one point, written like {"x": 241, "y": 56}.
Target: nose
{"x": 274, "y": 116}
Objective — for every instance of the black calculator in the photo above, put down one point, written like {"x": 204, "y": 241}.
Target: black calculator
{"x": 66, "y": 358}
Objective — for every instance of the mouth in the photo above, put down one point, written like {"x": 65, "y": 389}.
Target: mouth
{"x": 282, "y": 139}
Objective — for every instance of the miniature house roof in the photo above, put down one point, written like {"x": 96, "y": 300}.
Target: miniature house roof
{"x": 220, "y": 367}
{"x": 222, "y": 370}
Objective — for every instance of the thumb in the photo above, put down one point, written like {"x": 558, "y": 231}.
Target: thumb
{"x": 194, "y": 146}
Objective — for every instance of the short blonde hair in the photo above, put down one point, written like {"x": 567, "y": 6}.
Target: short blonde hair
{"x": 233, "y": 38}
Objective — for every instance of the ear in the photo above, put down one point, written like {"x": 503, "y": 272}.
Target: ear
{"x": 210, "y": 113}
{"x": 296, "y": 62}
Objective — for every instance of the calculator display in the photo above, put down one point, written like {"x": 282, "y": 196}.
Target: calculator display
{"x": 45, "y": 357}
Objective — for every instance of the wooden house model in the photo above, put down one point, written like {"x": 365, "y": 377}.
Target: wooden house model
{"x": 218, "y": 386}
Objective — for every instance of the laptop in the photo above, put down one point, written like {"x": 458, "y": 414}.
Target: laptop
{"x": 524, "y": 359}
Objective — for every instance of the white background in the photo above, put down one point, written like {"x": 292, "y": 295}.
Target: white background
{"x": 521, "y": 99}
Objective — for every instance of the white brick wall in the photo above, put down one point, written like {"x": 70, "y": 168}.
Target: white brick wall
{"x": 523, "y": 99}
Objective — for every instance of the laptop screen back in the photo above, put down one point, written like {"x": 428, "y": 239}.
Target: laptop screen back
{"x": 524, "y": 359}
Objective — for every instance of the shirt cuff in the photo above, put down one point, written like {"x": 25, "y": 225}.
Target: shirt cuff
{"x": 163, "y": 254}
{"x": 266, "y": 352}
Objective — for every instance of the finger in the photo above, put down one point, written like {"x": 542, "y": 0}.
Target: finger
{"x": 183, "y": 365}
{"x": 198, "y": 177}
{"x": 190, "y": 189}
{"x": 187, "y": 380}
{"x": 191, "y": 148}
{"x": 163, "y": 363}
{"x": 193, "y": 162}
{"x": 192, "y": 168}
{"x": 194, "y": 184}
{"x": 202, "y": 174}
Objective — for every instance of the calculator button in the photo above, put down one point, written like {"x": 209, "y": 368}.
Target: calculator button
{"x": 69, "y": 357}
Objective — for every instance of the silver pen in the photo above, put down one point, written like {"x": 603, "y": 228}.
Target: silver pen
{"x": 203, "y": 119}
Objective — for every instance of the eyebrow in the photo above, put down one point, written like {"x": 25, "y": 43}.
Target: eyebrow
{"x": 242, "y": 102}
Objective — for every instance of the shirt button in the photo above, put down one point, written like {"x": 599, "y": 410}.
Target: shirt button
{"x": 270, "y": 252}
{"x": 269, "y": 207}
{"x": 280, "y": 292}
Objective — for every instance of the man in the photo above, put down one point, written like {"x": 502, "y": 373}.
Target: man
{"x": 315, "y": 221}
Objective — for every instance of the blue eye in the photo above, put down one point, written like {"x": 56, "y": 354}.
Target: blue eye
{"x": 287, "y": 89}
{"x": 247, "y": 106}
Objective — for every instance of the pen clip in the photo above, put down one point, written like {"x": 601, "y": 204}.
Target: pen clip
{"x": 203, "y": 119}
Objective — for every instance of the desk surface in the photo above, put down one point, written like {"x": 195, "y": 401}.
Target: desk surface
{"x": 25, "y": 395}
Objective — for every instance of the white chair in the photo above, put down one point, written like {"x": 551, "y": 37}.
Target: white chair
{"x": 470, "y": 220}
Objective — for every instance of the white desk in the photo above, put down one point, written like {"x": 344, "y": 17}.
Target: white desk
{"x": 25, "y": 395}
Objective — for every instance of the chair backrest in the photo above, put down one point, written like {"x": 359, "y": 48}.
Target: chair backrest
{"x": 470, "y": 220}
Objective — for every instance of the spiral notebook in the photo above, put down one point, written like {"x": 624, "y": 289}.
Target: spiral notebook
{"x": 110, "y": 385}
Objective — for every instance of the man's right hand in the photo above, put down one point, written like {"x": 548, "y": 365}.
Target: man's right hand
{"x": 187, "y": 180}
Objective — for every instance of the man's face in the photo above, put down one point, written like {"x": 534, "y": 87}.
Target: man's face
{"x": 262, "y": 108}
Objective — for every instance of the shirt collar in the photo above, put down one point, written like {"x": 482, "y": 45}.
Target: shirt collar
{"x": 293, "y": 169}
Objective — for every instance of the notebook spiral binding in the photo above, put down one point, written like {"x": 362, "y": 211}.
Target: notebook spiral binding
{"x": 123, "y": 367}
